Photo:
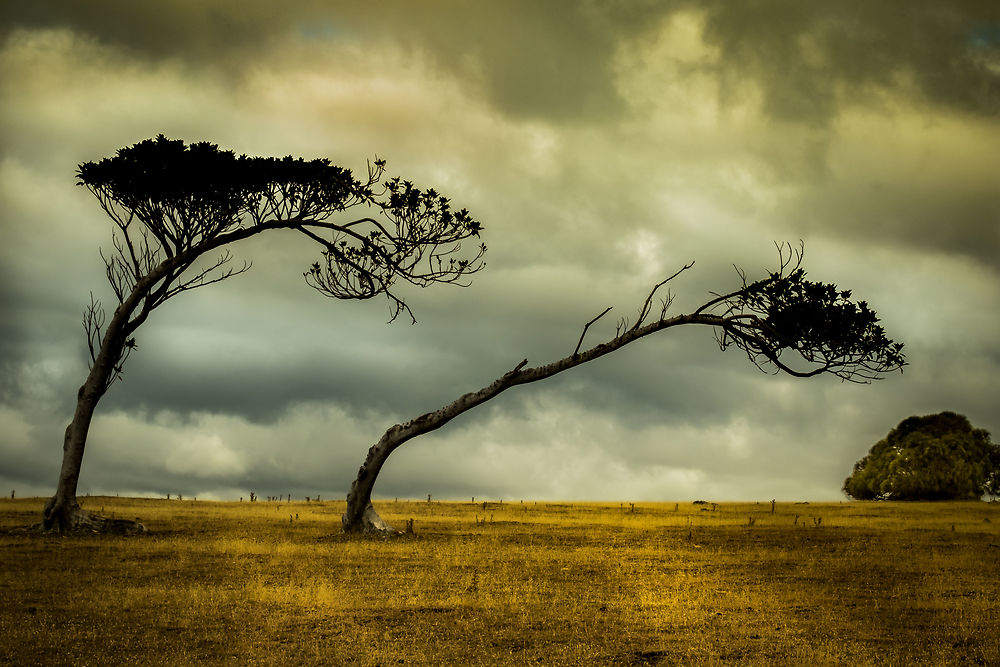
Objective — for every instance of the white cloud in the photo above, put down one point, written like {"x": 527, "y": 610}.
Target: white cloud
{"x": 202, "y": 454}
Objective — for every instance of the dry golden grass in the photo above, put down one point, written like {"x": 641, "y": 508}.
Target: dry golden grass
{"x": 549, "y": 584}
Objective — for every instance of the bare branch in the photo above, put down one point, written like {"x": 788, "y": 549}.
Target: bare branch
{"x": 93, "y": 324}
{"x": 647, "y": 304}
{"x": 587, "y": 326}
{"x": 201, "y": 279}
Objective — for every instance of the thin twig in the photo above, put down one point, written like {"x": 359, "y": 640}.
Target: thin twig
{"x": 644, "y": 311}
{"x": 587, "y": 326}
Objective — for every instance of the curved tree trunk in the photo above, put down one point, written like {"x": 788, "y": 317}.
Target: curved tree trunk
{"x": 361, "y": 517}
{"x": 62, "y": 512}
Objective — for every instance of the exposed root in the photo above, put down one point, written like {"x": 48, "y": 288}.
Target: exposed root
{"x": 371, "y": 524}
{"x": 82, "y": 522}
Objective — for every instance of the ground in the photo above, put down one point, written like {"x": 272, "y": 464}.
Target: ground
{"x": 512, "y": 583}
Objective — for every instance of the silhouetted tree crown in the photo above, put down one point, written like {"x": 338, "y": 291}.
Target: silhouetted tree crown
{"x": 934, "y": 457}
{"x": 191, "y": 199}
{"x": 180, "y": 190}
{"x": 816, "y": 321}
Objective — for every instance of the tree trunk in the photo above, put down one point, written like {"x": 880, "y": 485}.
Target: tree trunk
{"x": 361, "y": 517}
{"x": 62, "y": 512}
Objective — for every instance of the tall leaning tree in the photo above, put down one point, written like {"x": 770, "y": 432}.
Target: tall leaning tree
{"x": 177, "y": 209}
{"x": 782, "y": 322}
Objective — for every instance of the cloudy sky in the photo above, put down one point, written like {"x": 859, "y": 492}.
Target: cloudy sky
{"x": 602, "y": 144}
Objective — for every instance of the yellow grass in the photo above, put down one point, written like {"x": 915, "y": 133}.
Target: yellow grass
{"x": 550, "y": 584}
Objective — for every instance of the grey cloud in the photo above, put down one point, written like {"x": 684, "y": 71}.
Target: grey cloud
{"x": 549, "y": 60}
{"x": 175, "y": 28}
{"x": 262, "y": 390}
{"x": 810, "y": 60}
{"x": 553, "y": 60}
{"x": 928, "y": 219}
{"x": 533, "y": 59}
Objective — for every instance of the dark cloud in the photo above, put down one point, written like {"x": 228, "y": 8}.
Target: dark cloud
{"x": 811, "y": 60}
{"x": 550, "y": 60}
{"x": 531, "y": 59}
{"x": 553, "y": 60}
{"x": 925, "y": 219}
{"x": 185, "y": 29}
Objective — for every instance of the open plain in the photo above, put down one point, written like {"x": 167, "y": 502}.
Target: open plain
{"x": 507, "y": 583}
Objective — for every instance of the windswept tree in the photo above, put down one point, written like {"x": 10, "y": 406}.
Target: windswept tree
{"x": 782, "y": 322}
{"x": 177, "y": 209}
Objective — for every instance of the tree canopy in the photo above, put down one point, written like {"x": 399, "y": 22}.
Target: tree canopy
{"x": 190, "y": 199}
{"x": 816, "y": 323}
{"x": 933, "y": 457}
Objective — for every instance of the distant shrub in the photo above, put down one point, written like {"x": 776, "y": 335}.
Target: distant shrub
{"x": 934, "y": 457}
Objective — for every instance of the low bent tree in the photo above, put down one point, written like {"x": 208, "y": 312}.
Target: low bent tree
{"x": 934, "y": 457}
{"x": 174, "y": 204}
{"x": 780, "y": 316}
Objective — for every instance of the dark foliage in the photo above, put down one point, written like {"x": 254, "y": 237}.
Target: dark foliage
{"x": 175, "y": 201}
{"x": 193, "y": 186}
{"x": 934, "y": 457}
{"x": 818, "y": 322}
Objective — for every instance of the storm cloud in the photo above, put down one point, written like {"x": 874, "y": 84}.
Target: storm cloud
{"x": 603, "y": 145}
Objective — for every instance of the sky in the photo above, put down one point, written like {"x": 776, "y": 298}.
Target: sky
{"x": 603, "y": 145}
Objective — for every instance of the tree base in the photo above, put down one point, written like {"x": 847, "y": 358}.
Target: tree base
{"x": 370, "y": 524}
{"x": 77, "y": 521}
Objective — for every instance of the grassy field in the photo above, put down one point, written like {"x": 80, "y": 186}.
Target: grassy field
{"x": 519, "y": 584}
